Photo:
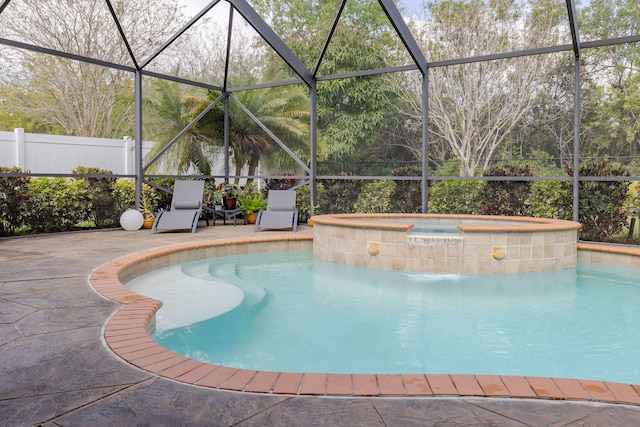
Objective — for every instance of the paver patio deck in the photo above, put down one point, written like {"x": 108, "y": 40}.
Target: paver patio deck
{"x": 56, "y": 371}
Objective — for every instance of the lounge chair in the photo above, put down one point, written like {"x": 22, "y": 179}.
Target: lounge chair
{"x": 281, "y": 211}
{"x": 186, "y": 207}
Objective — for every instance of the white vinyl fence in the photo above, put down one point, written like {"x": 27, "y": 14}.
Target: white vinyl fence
{"x": 53, "y": 154}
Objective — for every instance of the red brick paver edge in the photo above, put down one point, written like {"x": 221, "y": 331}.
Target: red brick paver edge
{"x": 126, "y": 333}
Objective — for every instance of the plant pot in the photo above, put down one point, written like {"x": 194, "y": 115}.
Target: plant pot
{"x": 229, "y": 203}
{"x": 251, "y": 217}
{"x": 310, "y": 223}
{"x": 147, "y": 223}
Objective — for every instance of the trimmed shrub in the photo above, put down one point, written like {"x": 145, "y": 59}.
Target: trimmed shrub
{"x": 632, "y": 204}
{"x": 124, "y": 196}
{"x": 602, "y": 211}
{"x": 506, "y": 197}
{"x": 303, "y": 201}
{"x": 13, "y": 201}
{"x": 161, "y": 198}
{"x": 548, "y": 199}
{"x": 456, "y": 197}
{"x": 340, "y": 195}
{"x": 101, "y": 207}
{"x": 407, "y": 195}
{"x": 279, "y": 184}
{"x": 57, "y": 204}
{"x": 375, "y": 197}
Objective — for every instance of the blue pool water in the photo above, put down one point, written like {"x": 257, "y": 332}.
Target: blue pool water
{"x": 421, "y": 226}
{"x": 419, "y": 229}
{"x": 298, "y": 314}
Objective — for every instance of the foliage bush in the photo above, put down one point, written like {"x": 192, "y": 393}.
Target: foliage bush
{"x": 632, "y": 204}
{"x": 101, "y": 208}
{"x": 456, "y": 197}
{"x": 548, "y": 199}
{"x": 375, "y": 197}
{"x": 340, "y": 195}
{"x": 124, "y": 197}
{"x": 303, "y": 201}
{"x": 507, "y": 197}
{"x": 57, "y": 204}
{"x": 602, "y": 211}
{"x": 279, "y": 184}
{"x": 212, "y": 194}
{"x": 407, "y": 195}
{"x": 162, "y": 198}
{"x": 13, "y": 201}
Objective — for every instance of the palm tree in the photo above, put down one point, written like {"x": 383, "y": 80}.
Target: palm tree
{"x": 169, "y": 110}
{"x": 283, "y": 110}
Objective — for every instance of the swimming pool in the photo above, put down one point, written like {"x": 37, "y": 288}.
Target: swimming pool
{"x": 576, "y": 323}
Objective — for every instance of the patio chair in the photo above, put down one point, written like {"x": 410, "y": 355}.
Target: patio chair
{"x": 281, "y": 211}
{"x": 186, "y": 207}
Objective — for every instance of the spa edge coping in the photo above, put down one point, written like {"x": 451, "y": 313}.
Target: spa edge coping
{"x": 126, "y": 333}
{"x": 504, "y": 223}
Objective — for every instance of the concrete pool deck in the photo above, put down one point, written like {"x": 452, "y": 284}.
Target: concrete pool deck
{"x": 55, "y": 369}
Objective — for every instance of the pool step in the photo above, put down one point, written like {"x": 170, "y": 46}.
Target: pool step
{"x": 186, "y": 299}
{"x": 254, "y": 295}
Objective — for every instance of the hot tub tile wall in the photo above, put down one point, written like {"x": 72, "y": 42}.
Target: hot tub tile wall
{"x": 536, "y": 247}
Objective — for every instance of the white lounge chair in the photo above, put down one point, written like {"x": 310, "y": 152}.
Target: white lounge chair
{"x": 186, "y": 207}
{"x": 281, "y": 211}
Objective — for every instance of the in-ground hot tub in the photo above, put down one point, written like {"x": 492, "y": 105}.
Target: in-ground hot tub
{"x": 469, "y": 244}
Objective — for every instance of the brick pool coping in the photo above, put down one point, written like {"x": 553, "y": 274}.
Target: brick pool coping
{"x": 127, "y": 334}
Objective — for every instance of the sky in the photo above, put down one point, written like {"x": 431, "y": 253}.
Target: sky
{"x": 194, "y": 6}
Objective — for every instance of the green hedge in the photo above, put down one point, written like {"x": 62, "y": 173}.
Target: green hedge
{"x": 101, "y": 209}
{"x": 602, "y": 209}
{"x": 456, "y": 197}
{"x": 57, "y": 204}
{"x": 43, "y": 205}
{"x": 46, "y": 205}
{"x": 14, "y": 200}
{"x": 376, "y": 197}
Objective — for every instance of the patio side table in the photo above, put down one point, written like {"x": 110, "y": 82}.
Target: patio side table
{"x": 225, "y": 214}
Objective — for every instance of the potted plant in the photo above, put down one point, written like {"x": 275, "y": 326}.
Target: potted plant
{"x": 147, "y": 206}
{"x": 216, "y": 199}
{"x": 250, "y": 206}
{"x": 148, "y": 218}
{"x": 229, "y": 198}
{"x": 213, "y": 195}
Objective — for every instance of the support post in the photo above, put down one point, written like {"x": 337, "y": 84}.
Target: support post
{"x": 138, "y": 136}
{"x": 576, "y": 142}
{"x": 226, "y": 137}
{"x": 21, "y": 152}
{"x": 425, "y": 142}
{"x": 575, "y": 38}
{"x": 314, "y": 148}
{"x": 129, "y": 156}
